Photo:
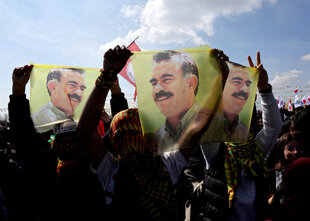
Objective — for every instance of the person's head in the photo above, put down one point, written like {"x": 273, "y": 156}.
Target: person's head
{"x": 296, "y": 181}
{"x": 288, "y": 149}
{"x": 175, "y": 82}
{"x": 237, "y": 89}
{"x": 126, "y": 134}
{"x": 66, "y": 88}
{"x": 300, "y": 122}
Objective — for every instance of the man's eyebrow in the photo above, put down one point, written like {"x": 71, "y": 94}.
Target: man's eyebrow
{"x": 166, "y": 75}
{"x": 72, "y": 82}
{"x": 153, "y": 80}
{"x": 162, "y": 76}
{"x": 237, "y": 78}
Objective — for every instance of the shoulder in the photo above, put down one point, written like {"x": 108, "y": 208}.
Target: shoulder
{"x": 45, "y": 113}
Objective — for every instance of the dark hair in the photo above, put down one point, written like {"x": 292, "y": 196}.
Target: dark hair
{"x": 189, "y": 66}
{"x": 300, "y": 120}
{"x": 55, "y": 74}
{"x": 282, "y": 141}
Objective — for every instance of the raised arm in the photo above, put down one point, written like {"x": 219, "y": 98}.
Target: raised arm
{"x": 114, "y": 61}
{"x": 272, "y": 123}
{"x": 21, "y": 123}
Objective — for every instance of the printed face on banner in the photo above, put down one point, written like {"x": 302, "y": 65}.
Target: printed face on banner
{"x": 171, "y": 99}
{"x": 56, "y": 95}
{"x": 173, "y": 91}
{"x": 237, "y": 103}
{"x": 67, "y": 93}
{"x": 184, "y": 89}
{"x": 237, "y": 90}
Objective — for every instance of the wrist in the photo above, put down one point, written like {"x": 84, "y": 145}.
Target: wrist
{"x": 106, "y": 79}
{"x": 18, "y": 91}
{"x": 115, "y": 89}
{"x": 266, "y": 89}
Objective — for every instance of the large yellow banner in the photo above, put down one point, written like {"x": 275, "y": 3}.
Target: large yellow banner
{"x": 177, "y": 90}
{"x": 174, "y": 87}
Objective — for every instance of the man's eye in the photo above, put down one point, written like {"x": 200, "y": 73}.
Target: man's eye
{"x": 236, "y": 82}
{"x": 166, "y": 80}
{"x": 72, "y": 86}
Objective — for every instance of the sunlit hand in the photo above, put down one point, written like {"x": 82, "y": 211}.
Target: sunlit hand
{"x": 263, "y": 75}
{"x": 20, "y": 77}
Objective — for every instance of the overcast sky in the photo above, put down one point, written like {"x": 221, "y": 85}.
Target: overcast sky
{"x": 77, "y": 33}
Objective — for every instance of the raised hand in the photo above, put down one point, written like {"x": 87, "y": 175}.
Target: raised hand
{"x": 20, "y": 78}
{"x": 263, "y": 75}
{"x": 115, "y": 59}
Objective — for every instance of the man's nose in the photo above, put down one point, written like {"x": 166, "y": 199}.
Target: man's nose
{"x": 79, "y": 92}
{"x": 245, "y": 88}
{"x": 158, "y": 87}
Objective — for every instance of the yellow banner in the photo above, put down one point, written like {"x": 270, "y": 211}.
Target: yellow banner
{"x": 177, "y": 91}
{"x": 177, "y": 88}
{"x": 58, "y": 94}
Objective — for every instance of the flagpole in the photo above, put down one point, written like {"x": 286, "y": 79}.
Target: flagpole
{"x": 133, "y": 41}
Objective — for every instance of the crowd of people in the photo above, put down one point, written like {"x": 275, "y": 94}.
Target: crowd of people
{"x": 105, "y": 168}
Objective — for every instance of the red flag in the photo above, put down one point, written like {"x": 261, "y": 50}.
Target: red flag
{"x": 304, "y": 100}
{"x": 296, "y": 90}
{"x": 127, "y": 71}
{"x": 134, "y": 47}
{"x": 290, "y": 108}
{"x": 135, "y": 95}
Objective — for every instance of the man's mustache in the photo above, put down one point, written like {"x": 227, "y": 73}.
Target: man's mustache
{"x": 75, "y": 96}
{"x": 240, "y": 94}
{"x": 162, "y": 94}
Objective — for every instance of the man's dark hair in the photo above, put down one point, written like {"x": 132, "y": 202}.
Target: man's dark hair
{"x": 55, "y": 74}
{"x": 189, "y": 66}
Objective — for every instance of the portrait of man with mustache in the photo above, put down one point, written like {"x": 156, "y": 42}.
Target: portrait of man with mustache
{"x": 174, "y": 87}
{"x": 235, "y": 95}
{"x": 65, "y": 87}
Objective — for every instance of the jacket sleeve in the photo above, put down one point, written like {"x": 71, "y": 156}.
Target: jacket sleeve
{"x": 272, "y": 123}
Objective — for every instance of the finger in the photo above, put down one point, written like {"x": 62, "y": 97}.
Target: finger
{"x": 18, "y": 71}
{"x": 250, "y": 61}
{"x": 260, "y": 66}
{"x": 28, "y": 68}
{"x": 224, "y": 57}
{"x": 110, "y": 51}
{"x": 258, "y": 58}
{"x": 218, "y": 52}
{"x": 127, "y": 53}
{"x": 117, "y": 49}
